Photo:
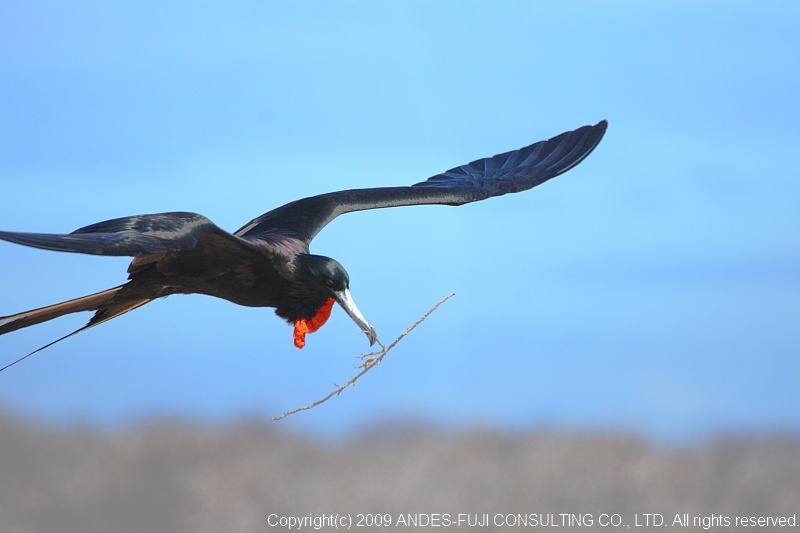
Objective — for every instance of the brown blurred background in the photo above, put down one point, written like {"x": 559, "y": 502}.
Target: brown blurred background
{"x": 173, "y": 476}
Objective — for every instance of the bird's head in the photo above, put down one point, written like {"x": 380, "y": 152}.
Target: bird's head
{"x": 323, "y": 281}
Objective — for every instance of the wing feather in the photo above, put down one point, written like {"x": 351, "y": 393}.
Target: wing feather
{"x": 509, "y": 172}
{"x": 129, "y": 236}
{"x": 299, "y": 221}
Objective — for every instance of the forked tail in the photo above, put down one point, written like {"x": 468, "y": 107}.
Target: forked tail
{"x": 102, "y": 302}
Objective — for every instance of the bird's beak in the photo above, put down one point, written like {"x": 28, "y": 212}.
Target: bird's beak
{"x": 346, "y": 301}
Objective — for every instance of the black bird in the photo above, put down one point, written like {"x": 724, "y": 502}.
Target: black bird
{"x": 267, "y": 262}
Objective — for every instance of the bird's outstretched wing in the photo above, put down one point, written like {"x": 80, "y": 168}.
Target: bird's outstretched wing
{"x": 132, "y": 236}
{"x": 509, "y": 172}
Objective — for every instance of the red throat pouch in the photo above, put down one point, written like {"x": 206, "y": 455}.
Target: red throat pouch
{"x": 310, "y": 325}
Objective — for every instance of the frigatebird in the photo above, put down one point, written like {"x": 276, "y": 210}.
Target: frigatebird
{"x": 267, "y": 262}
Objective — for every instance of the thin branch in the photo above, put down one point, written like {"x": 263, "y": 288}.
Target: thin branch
{"x": 371, "y": 360}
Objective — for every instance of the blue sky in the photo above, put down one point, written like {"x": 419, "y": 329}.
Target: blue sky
{"x": 655, "y": 288}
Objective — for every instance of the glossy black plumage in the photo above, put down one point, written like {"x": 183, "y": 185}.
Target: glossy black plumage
{"x": 267, "y": 262}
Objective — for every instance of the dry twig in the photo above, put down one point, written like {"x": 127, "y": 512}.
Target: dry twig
{"x": 371, "y": 360}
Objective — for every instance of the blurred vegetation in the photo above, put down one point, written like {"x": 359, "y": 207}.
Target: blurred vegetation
{"x": 175, "y": 476}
